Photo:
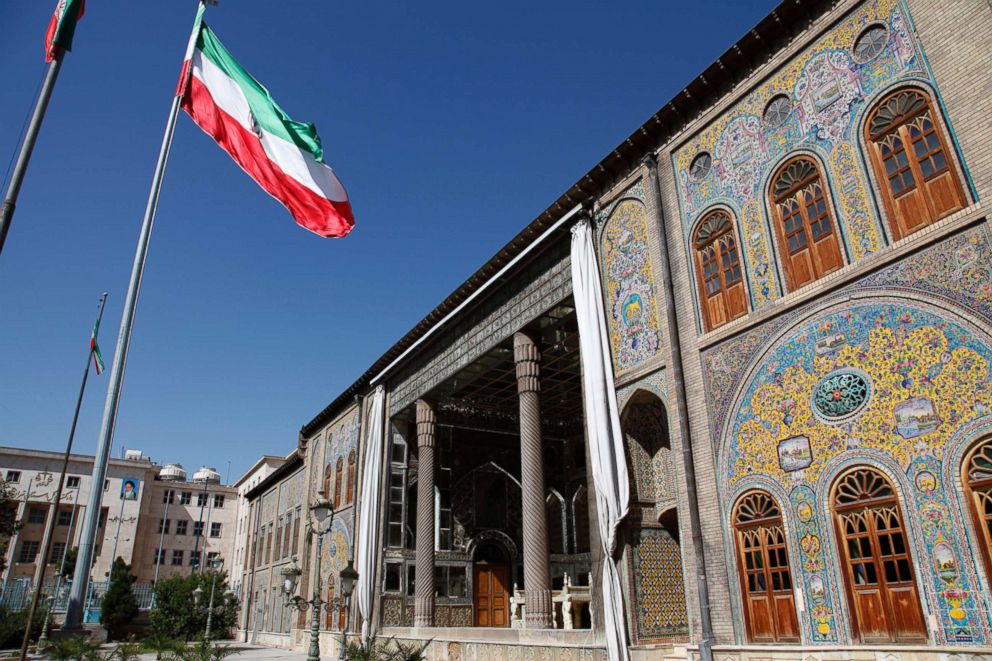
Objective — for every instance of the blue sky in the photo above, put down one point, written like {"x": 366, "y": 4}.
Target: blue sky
{"x": 452, "y": 125}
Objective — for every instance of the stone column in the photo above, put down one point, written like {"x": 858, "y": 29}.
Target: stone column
{"x": 537, "y": 566}
{"x": 423, "y": 610}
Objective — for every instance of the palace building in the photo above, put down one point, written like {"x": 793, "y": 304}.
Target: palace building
{"x": 729, "y": 396}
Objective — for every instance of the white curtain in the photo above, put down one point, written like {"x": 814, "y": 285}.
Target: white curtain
{"x": 367, "y": 542}
{"x": 609, "y": 468}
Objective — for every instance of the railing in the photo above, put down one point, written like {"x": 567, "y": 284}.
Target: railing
{"x": 17, "y": 595}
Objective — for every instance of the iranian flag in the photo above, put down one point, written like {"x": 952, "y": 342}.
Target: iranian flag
{"x": 282, "y": 155}
{"x": 95, "y": 348}
{"x": 62, "y": 26}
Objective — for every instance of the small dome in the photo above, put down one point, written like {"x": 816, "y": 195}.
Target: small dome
{"x": 173, "y": 473}
{"x": 207, "y": 474}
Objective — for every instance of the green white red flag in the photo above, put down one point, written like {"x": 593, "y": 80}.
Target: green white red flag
{"x": 62, "y": 26}
{"x": 283, "y": 156}
{"x": 95, "y": 348}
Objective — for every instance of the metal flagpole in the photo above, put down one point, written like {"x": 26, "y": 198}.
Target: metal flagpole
{"x": 39, "y": 576}
{"x": 80, "y": 580}
{"x": 10, "y": 200}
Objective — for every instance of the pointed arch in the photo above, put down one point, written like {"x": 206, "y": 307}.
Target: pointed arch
{"x": 719, "y": 269}
{"x": 350, "y": 490}
{"x": 976, "y": 476}
{"x": 338, "y": 474}
{"x": 804, "y": 220}
{"x": 874, "y": 548}
{"x": 554, "y": 505}
{"x": 911, "y": 160}
{"x": 764, "y": 569}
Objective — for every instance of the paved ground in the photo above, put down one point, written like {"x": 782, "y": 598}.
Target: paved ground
{"x": 252, "y": 652}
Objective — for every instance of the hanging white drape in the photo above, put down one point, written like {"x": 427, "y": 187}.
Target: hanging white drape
{"x": 368, "y": 543}
{"x": 609, "y": 468}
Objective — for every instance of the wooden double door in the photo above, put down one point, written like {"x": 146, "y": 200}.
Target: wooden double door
{"x": 492, "y": 595}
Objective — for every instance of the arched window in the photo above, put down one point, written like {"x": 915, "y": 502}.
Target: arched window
{"x": 718, "y": 270}
{"x": 878, "y": 568}
{"x": 351, "y": 478}
{"x": 808, "y": 240}
{"x": 763, "y": 566}
{"x": 977, "y": 479}
{"x": 910, "y": 158}
{"x": 338, "y": 474}
{"x": 554, "y": 508}
{"x": 327, "y": 481}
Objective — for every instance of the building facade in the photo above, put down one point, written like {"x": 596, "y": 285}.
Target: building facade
{"x": 133, "y": 522}
{"x": 252, "y": 477}
{"x": 793, "y": 258}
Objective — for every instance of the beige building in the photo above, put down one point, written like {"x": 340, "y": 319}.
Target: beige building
{"x": 184, "y": 523}
{"x": 133, "y": 518}
{"x": 34, "y": 477}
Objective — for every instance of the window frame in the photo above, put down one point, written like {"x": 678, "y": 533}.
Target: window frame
{"x": 763, "y": 525}
{"x": 984, "y": 485}
{"x": 883, "y": 185}
{"x": 811, "y": 248}
{"x": 715, "y": 239}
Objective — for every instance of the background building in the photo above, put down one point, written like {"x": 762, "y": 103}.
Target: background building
{"x": 133, "y": 522}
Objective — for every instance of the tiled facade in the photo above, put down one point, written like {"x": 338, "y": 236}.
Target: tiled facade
{"x": 877, "y": 365}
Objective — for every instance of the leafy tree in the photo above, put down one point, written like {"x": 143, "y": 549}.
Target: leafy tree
{"x": 203, "y": 651}
{"x": 79, "y": 648}
{"x": 8, "y": 518}
{"x": 119, "y": 604}
{"x": 177, "y": 615}
{"x": 161, "y": 645}
{"x": 70, "y": 562}
{"x": 12, "y": 625}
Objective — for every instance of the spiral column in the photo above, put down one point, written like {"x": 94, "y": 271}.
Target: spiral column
{"x": 537, "y": 566}
{"x": 423, "y": 605}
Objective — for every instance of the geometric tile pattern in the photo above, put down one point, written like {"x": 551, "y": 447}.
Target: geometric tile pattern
{"x": 658, "y": 587}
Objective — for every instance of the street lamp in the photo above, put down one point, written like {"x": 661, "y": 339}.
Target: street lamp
{"x": 215, "y": 566}
{"x": 348, "y": 577}
{"x": 319, "y": 524}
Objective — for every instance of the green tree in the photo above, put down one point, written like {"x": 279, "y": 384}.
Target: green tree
{"x": 119, "y": 605}
{"x": 70, "y": 562}
{"x": 12, "y": 626}
{"x": 177, "y": 615}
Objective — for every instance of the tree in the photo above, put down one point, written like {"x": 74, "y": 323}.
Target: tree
{"x": 177, "y": 615}
{"x": 8, "y": 518}
{"x": 119, "y": 605}
{"x": 69, "y": 567}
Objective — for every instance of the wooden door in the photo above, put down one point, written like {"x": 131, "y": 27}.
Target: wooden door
{"x": 808, "y": 237}
{"x": 911, "y": 156}
{"x": 492, "y": 597}
{"x": 766, "y": 579}
{"x": 884, "y": 603}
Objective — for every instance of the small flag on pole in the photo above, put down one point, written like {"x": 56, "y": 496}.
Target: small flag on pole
{"x": 95, "y": 348}
{"x": 62, "y": 26}
{"x": 283, "y": 156}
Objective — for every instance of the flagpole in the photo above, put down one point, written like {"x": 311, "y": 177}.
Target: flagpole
{"x": 21, "y": 167}
{"x": 39, "y": 575}
{"x": 80, "y": 581}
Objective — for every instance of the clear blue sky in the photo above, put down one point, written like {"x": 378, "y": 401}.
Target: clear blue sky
{"x": 451, "y": 125}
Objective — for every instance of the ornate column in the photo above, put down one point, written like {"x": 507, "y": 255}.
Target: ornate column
{"x": 423, "y": 609}
{"x": 537, "y": 569}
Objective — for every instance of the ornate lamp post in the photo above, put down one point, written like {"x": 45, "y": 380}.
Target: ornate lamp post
{"x": 318, "y": 524}
{"x": 215, "y": 565}
{"x": 348, "y": 577}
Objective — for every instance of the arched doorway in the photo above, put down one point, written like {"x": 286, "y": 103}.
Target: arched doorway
{"x": 977, "y": 480}
{"x": 878, "y": 568}
{"x": 491, "y": 581}
{"x": 763, "y": 564}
